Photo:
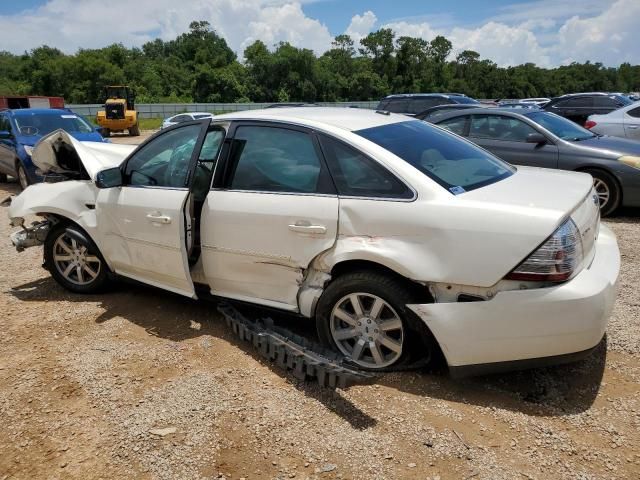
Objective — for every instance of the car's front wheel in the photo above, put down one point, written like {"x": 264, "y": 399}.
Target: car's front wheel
{"x": 364, "y": 316}
{"x": 73, "y": 260}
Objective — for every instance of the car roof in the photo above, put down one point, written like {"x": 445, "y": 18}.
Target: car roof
{"x": 418, "y": 95}
{"x": 345, "y": 118}
{"x": 508, "y": 112}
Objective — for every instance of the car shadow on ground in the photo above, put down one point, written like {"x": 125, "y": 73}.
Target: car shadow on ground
{"x": 552, "y": 391}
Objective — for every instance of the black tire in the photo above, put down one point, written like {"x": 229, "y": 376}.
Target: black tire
{"x": 135, "y": 130}
{"x": 23, "y": 178}
{"x": 605, "y": 181}
{"x": 3, "y": 178}
{"x": 72, "y": 233}
{"x": 106, "y": 132}
{"x": 418, "y": 345}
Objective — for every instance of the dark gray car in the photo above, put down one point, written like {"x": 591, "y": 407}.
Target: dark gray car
{"x": 542, "y": 139}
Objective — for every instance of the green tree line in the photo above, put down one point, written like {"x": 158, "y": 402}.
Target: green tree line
{"x": 199, "y": 66}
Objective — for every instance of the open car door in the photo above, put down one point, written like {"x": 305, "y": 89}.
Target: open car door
{"x": 145, "y": 224}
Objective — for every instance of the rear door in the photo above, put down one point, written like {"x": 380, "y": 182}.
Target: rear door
{"x": 273, "y": 209}
{"x": 145, "y": 224}
{"x": 506, "y": 137}
{"x": 632, "y": 123}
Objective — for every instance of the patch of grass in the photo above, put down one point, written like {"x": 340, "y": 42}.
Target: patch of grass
{"x": 150, "y": 123}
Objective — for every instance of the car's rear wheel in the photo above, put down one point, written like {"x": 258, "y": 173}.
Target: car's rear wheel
{"x": 106, "y": 132}
{"x": 364, "y": 316}
{"x": 74, "y": 260}
{"x": 607, "y": 189}
{"x": 3, "y": 178}
{"x": 23, "y": 178}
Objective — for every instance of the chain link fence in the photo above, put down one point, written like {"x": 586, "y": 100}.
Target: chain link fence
{"x": 164, "y": 110}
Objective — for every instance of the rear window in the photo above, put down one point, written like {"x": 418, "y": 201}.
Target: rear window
{"x": 454, "y": 163}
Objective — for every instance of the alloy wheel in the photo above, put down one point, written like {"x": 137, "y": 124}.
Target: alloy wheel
{"x": 602, "y": 190}
{"x": 367, "y": 329}
{"x": 74, "y": 261}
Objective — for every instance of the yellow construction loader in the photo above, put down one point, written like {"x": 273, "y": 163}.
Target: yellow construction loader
{"x": 119, "y": 112}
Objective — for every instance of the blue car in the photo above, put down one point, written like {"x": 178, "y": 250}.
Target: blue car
{"x": 21, "y": 129}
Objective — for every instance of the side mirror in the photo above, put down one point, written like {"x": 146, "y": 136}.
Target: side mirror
{"x": 4, "y": 135}
{"x": 112, "y": 177}
{"x": 537, "y": 138}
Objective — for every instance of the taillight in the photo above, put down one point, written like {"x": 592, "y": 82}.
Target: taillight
{"x": 589, "y": 124}
{"x": 555, "y": 260}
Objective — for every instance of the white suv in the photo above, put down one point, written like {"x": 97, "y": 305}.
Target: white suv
{"x": 402, "y": 240}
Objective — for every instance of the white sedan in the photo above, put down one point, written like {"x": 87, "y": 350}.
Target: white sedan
{"x": 401, "y": 240}
{"x": 185, "y": 117}
{"x": 623, "y": 122}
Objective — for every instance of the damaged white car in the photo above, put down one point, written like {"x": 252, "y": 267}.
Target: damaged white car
{"x": 400, "y": 239}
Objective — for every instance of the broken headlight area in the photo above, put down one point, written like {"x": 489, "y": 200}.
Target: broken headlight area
{"x": 30, "y": 236}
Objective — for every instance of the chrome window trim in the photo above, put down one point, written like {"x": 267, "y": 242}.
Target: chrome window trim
{"x": 332, "y": 195}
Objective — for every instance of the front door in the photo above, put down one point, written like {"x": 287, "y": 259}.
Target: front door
{"x": 272, "y": 211}
{"x": 506, "y": 137}
{"x": 144, "y": 224}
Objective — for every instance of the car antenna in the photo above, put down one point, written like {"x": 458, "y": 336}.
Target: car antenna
{"x": 383, "y": 112}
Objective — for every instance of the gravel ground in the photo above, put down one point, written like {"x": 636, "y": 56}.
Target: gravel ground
{"x": 138, "y": 383}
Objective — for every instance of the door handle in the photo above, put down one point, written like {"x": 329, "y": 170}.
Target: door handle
{"x": 158, "y": 218}
{"x": 308, "y": 228}
{"x": 632, "y": 127}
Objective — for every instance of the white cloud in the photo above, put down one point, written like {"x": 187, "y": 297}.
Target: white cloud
{"x": 501, "y": 43}
{"x": 73, "y": 24}
{"x": 611, "y": 37}
{"x": 361, "y": 25}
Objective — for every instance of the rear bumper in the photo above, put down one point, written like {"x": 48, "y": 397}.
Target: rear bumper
{"x": 529, "y": 327}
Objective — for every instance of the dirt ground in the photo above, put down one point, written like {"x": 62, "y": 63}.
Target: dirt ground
{"x": 139, "y": 383}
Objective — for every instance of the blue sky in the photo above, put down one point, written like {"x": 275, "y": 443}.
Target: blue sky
{"x": 509, "y": 32}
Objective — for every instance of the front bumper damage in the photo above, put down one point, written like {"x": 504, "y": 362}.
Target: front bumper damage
{"x": 528, "y": 328}
{"x": 30, "y": 236}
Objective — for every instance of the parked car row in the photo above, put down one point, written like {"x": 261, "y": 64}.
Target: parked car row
{"x": 404, "y": 242}
{"x": 539, "y": 138}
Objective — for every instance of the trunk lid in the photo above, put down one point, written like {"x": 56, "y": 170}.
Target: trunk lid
{"x": 537, "y": 191}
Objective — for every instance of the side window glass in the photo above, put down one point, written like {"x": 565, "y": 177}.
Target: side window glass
{"x": 635, "y": 112}
{"x": 357, "y": 175}
{"x": 418, "y": 105}
{"x": 271, "y": 159}
{"x": 399, "y": 105}
{"x": 497, "y": 127}
{"x": 604, "y": 102}
{"x": 164, "y": 162}
{"x": 455, "y": 125}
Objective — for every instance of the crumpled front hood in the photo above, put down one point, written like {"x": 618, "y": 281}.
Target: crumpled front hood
{"x": 95, "y": 156}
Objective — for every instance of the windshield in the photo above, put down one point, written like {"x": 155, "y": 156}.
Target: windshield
{"x": 560, "y": 126}
{"x": 454, "y": 163}
{"x": 42, "y": 124}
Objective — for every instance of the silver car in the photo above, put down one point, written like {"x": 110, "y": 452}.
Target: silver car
{"x": 185, "y": 117}
{"x": 543, "y": 139}
{"x": 624, "y": 122}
